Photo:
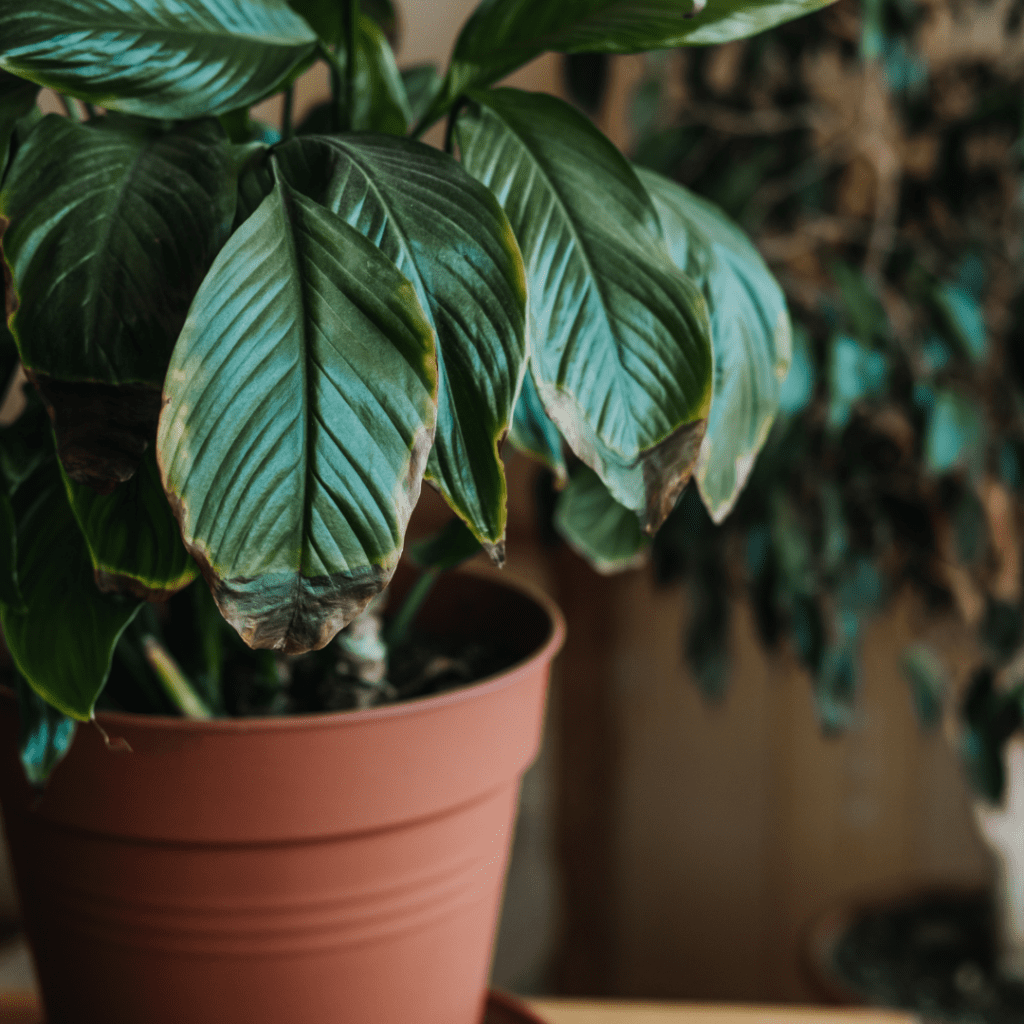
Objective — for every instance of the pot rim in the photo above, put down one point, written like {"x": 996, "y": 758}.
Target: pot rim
{"x": 333, "y": 719}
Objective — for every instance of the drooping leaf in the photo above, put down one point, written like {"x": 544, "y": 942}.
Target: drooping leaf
{"x": 300, "y": 408}
{"x": 597, "y": 527}
{"x": 179, "y": 59}
{"x": 533, "y": 433}
{"x": 622, "y": 352}
{"x": 17, "y": 98}
{"x": 106, "y": 247}
{"x": 132, "y": 536}
{"x": 750, "y": 331}
{"x": 45, "y": 735}
{"x": 64, "y": 639}
{"x": 447, "y": 234}
{"x": 501, "y": 35}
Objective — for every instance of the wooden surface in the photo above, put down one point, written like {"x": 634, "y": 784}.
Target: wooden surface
{"x": 556, "y": 1011}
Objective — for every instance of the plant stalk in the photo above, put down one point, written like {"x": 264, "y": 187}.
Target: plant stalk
{"x": 173, "y": 680}
{"x": 69, "y": 107}
{"x": 350, "y": 14}
{"x": 398, "y": 628}
{"x": 286, "y": 113}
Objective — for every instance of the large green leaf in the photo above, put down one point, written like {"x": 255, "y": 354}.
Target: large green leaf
{"x": 622, "y": 354}
{"x": 448, "y": 235}
{"x": 750, "y": 330}
{"x": 161, "y": 58}
{"x": 501, "y": 35}
{"x": 64, "y": 639}
{"x": 300, "y": 407}
{"x": 17, "y": 98}
{"x": 597, "y": 527}
{"x": 107, "y": 246}
{"x": 132, "y": 536}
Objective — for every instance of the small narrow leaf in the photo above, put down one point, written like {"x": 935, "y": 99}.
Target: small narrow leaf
{"x": 96, "y": 310}
{"x": 45, "y": 735}
{"x": 63, "y": 642}
{"x": 750, "y": 331}
{"x": 597, "y": 527}
{"x": 132, "y": 536}
{"x": 177, "y": 59}
{"x": 622, "y": 352}
{"x": 447, "y": 234}
{"x": 300, "y": 408}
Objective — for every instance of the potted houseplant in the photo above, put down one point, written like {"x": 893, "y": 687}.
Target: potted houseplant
{"x": 895, "y": 464}
{"x": 251, "y": 348}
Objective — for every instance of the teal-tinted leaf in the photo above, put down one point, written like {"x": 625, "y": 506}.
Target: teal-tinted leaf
{"x": 797, "y": 389}
{"x": 860, "y": 587}
{"x": 622, "y": 351}
{"x": 854, "y": 373}
{"x": 300, "y": 406}
{"x": 63, "y": 642}
{"x": 533, "y": 432}
{"x": 597, "y": 527}
{"x": 926, "y": 675}
{"x": 107, "y": 246}
{"x": 835, "y": 688}
{"x": 501, "y": 35}
{"x": 422, "y": 84}
{"x": 177, "y": 59}
{"x": 963, "y": 319}
{"x": 44, "y": 735}
{"x": 17, "y": 98}
{"x": 750, "y": 331}
{"x": 132, "y": 536}
{"x": 955, "y": 433}
{"x": 448, "y": 235}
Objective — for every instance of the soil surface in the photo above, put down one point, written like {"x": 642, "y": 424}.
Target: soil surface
{"x": 934, "y": 955}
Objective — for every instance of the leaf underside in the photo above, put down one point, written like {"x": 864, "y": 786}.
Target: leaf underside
{"x": 300, "y": 406}
{"x": 622, "y": 355}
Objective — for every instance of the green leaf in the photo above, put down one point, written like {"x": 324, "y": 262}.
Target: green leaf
{"x": 17, "y": 98}
{"x": 132, "y": 536}
{"x": 177, "y": 59}
{"x": 446, "y": 549}
{"x": 106, "y": 246}
{"x": 64, "y": 640}
{"x": 300, "y": 406}
{"x": 533, "y": 433}
{"x": 750, "y": 331}
{"x": 45, "y": 735}
{"x": 326, "y": 17}
{"x": 955, "y": 433}
{"x": 447, "y": 234}
{"x": 422, "y": 84}
{"x": 381, "y": 101}
{"x": 854, "y": 373}
{"x": 502, "y": 35}
{"x": 797, "y": 389}
{"x": 963, "y": 319}
{"x": 622, "y": 358}
{"x": 597, "y": 527}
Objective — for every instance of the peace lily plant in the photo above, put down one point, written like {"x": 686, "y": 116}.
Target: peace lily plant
{"x": 253, "y": 347}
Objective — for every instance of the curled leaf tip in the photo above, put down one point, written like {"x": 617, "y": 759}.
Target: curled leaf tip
{"x": 667, "y": 470}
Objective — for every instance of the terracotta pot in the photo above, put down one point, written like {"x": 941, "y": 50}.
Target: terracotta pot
{"x": 338, "y": 868}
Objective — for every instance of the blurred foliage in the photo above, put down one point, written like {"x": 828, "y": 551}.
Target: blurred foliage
{"x": 874, "y": 153}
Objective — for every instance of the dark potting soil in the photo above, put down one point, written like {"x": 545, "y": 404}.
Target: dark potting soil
{"x": 934, "y": 955}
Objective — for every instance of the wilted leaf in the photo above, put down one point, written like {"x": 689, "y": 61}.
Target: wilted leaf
{"x": 300, "y": 408}
{"x": 622, "y": 354}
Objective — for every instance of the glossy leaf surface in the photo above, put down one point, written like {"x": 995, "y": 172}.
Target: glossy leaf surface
{"x": 501, "y": 35}
{"x": 63, "y": 642}
{"x": 595, "y": 525}
{"x": 176, "y": 59}
{"x": 45, "y": 735}
{"x": 132, "y": 536}
{"x": 106, "y": 247}
{"x": 621, "y": 347}
{"x": 448, "y": 235}
{"x": 750, "y": 331}
{"x": 299, "y": 411}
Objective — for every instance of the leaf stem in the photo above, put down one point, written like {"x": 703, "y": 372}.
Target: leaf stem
{"x": 350, "y": 15}
{"x": 174, "y": 681}
{"x": 90, "y": 110}
{"x": 286, "y": 114}
{"x": 453, "y": 116}
{"x": 69, "y": 107}
{"x": 398, "y": 628}
{"x": 331, "y": 59}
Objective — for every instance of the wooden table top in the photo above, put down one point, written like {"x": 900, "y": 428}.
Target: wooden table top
{"x": 558, "y": 1011}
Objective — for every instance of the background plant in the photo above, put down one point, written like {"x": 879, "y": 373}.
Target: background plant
{"x": 875, "y": 155}
{"x": 253, "y": 346}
